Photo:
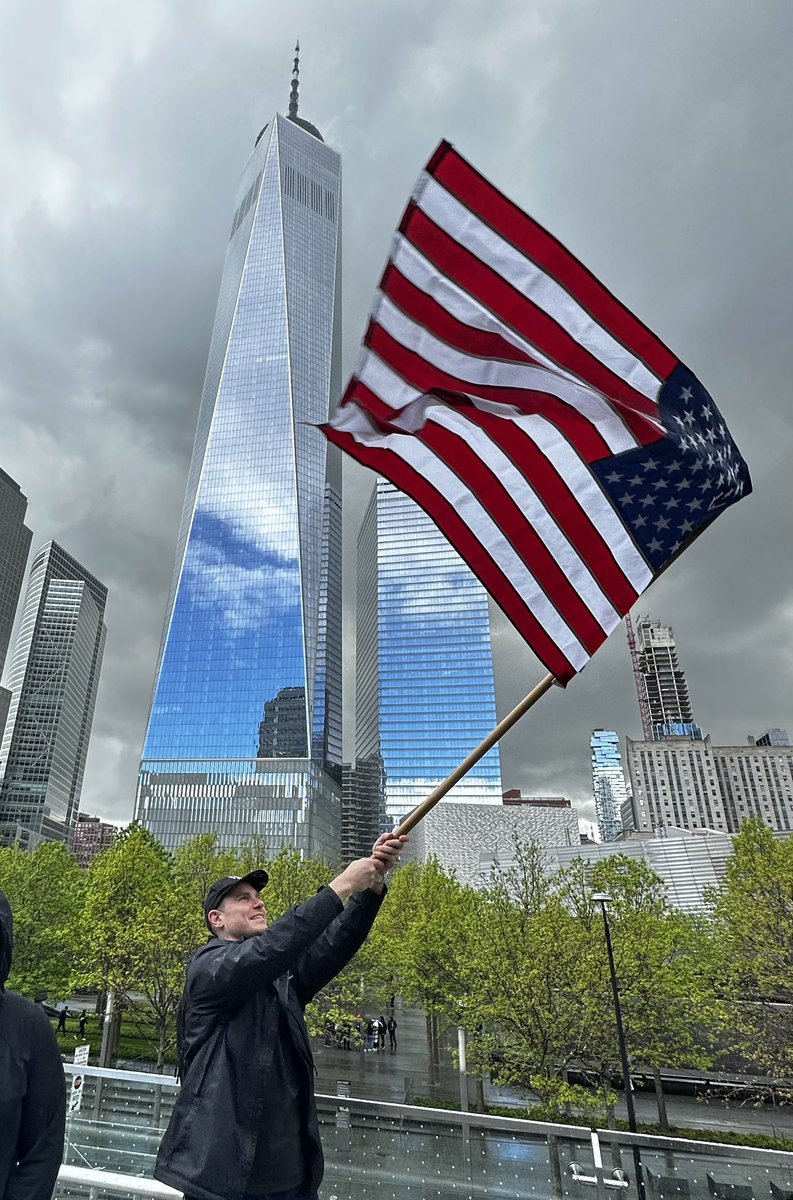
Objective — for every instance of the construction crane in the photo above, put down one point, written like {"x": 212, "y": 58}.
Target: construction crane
{"x": 641, "y": 687}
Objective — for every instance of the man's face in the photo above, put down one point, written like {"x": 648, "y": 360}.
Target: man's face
{"x": 241, "y": 914}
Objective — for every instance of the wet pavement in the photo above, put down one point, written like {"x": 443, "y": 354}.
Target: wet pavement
{"x": 395, "y": 1076}
{"x": 400, "y": 1076}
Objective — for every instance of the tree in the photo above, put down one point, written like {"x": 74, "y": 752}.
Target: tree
{"x": 45, "y": 889}
{"x": 137, "y": 931}
{"x": 430, "y": 954}
{"x": 199, "y": 863}
{"x": 667, "y": 998}
{"x": 292, "y": 879}
{"x": 252, "y": 853}
{"x": 166, "y": 934}
{"x": 753, "y": 934}
{"x": 526, "y": 1004}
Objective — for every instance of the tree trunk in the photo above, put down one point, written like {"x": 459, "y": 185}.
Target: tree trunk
{"x": 480, "y": 1094}
{"x": 430, "y": 1053}
{"x": 660, "y": 1099}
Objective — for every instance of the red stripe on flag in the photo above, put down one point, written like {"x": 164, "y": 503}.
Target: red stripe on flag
{"x": 544, "y": 479}
{"x": 465, "y": 183}
{"x": 461, "y": 537}
{"x": 521, "y": 535}
{"x": 517, "y": 311}
{"x": 427, "y": 312}
{"x": 358, "y": 393}
{"x": 426, "y": 377}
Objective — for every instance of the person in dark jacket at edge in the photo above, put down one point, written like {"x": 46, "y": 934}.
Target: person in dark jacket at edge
{"x": 32, "y": 1088}
{"x": 245, "y": 1126}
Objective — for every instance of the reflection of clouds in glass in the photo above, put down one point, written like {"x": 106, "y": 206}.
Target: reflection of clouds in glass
{"x": 240, "y": 592}
{"x": 253, "y": 494}
{"x": 407, "y": 792}
{"x": 420, "y": 574}
{"x": 419, "y": 585}
{"x": 426, "y": 607}
{"x": 403, "y": 794}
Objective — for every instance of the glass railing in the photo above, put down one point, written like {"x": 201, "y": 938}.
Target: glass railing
{"x": 402, "y": 1152}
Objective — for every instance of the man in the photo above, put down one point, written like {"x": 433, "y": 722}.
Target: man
{"x": 63, "y": 1013}
{"x": 244, "y": 1126}
{"x": 32, "y": 1088}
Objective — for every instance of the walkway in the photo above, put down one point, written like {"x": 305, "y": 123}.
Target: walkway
{"x": 400, "y": 1076}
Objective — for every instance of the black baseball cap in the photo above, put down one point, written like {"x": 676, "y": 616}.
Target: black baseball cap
{"x": 257, "y": 880}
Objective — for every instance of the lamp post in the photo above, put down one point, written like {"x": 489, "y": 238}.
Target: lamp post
{"x": 603, "y": 898}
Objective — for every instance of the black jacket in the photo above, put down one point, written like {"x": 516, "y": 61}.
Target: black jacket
{"x": 32, "y": 1089}
{"x": 236, "y": 995}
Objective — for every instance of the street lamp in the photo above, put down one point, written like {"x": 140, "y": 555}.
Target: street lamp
{"x": 603, "y": 898}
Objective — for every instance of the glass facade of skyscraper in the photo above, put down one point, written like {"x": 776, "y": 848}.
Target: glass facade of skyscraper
{"x": 14, "y": 549}
{"x": 608, "y": 781}
{"x": 54, "y": 680}
{"x": 253, "y": 622}
{"x": 425, "y": 687}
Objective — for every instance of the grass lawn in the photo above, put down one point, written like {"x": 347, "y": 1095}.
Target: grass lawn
{"x": 138, "y": 1039}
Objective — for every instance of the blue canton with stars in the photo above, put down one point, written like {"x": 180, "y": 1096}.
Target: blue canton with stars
{"x": 668, "y": 491}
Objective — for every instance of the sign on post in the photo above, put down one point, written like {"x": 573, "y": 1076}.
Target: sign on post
{"x": 76, "y": 1095}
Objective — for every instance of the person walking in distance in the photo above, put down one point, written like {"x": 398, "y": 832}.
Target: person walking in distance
{"x": 244, "y": 1126}
{"x": 63, "y": 1013}
{"x": 32, "y": 1088}
{"x": 81, "y": 1023}
{"x": 392, "y": 1028}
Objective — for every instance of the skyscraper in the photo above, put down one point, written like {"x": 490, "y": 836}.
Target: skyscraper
{"x": 251, "y": 645}
{"x": 608, "y": 781}
{"x": 14, "y": 549}
{"x": 424, "y": 666}
{"x": 54, "y": 679}
{"x": 665, "y": 687}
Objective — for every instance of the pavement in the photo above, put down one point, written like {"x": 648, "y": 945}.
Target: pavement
{"x": 401, "y": 1075}
{"x": 395, "y": 1076}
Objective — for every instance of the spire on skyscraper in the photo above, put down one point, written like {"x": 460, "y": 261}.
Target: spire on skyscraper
{"x": 294, "y": 99}
{"x": 293, "y": 93}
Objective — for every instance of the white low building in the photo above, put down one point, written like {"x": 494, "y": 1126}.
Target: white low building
{"x": 460, "y": 836}
{"x": 687, "y": 862}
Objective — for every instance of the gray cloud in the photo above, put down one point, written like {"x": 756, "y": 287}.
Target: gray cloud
{"x": 653, "y": 140}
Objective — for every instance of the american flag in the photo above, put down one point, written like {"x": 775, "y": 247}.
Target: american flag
{"x": 562, "y": 449}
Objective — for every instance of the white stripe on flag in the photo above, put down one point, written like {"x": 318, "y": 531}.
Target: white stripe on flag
{"x": 351, "y": 419}
{"x": 411, "y": 263}
{"x": 501, "y": 373}
{"x": 534, "y": 511}
{"x": 512, "y": 265}
{"x": 590, "y": 498}
{"x": 385, "y": 383}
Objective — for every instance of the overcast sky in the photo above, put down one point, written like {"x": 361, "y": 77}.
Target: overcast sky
{"x": 655, "y": 140}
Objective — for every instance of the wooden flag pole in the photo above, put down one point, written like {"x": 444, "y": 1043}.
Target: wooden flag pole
{"x": 421, "y": 810}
